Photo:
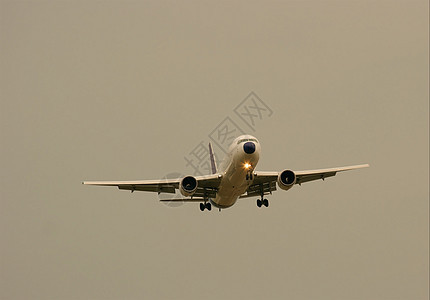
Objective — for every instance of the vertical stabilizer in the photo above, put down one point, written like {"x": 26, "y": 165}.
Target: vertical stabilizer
{"x": 213, "y": 163}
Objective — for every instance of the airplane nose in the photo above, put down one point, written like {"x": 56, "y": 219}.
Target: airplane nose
{"x": 249, "y": 147}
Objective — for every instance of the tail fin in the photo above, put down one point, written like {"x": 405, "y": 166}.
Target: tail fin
{"x": 213, "y": 163}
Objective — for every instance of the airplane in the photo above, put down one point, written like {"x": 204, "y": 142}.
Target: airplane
{"x": 236, "y": 178}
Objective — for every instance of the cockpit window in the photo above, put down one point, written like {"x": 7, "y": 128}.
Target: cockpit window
{"x": 247, "y": 140}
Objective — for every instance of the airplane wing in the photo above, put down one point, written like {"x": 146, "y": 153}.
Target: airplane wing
{"x": 207, "y": 185}
{"x": 265, "y": 182}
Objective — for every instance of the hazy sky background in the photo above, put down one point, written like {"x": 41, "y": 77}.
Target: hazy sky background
{"x": 124, "y": 90}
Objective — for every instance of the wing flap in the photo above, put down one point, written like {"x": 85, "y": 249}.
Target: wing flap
{"x": 149, "y": 188}
{"x": 305, "y": 178}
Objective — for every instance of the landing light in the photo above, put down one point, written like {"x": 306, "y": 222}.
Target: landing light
{"x": 247, "y": 165}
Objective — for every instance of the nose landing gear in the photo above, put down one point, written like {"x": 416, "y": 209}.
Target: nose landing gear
{"x": 261, "y": 202}
{"x": 206, "y": 205}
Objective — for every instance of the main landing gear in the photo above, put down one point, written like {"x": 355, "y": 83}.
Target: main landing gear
{"x": 206, "y": 205}
{"x": 261, "y": 202}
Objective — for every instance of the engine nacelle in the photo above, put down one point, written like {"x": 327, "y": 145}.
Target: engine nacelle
{"x": 286, "y": 180}
{"x": 188, "y": 186}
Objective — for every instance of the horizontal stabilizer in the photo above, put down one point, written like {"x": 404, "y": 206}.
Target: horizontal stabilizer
{"x": 184, "y": 200}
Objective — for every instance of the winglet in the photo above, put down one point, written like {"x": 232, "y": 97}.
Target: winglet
{"x": 213, "y": 163}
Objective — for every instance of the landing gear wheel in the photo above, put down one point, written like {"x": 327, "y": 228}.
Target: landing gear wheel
{"x": 202, "y": 206}
{"x": 266, "y": 202}
{"x": 247, "y": 177}
{"x": 208, "y": 206}
{"x": 259, "y": 202}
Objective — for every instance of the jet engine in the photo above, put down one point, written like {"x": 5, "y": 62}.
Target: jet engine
{"x": 286, "y": 180}
{"x": 188, "y": 186}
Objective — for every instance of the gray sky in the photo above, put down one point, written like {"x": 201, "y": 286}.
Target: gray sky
{"x": 125, "y": 90}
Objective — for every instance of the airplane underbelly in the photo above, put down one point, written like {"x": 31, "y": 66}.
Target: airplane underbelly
{"x": 230, "y": 191}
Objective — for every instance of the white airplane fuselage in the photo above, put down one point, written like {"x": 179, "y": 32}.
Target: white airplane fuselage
{"x": 237, "y": 170}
